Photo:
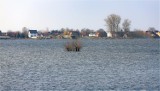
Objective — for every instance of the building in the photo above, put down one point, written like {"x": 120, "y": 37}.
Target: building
{"x": 74, "y": 34}
{"x": 92, "y": 35}
{"x": 32, "y": 34}
{"x": 109, "y": 35}
{"x": 71, "y": 34}
{"x": 158, "y": 33}
{"x": 101, "y": 33}
{"x": 154, "y": 34}
{"x": 4, "y": 35}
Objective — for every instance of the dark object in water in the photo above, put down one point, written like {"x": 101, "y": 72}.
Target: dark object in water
{"x": 73, "y": 46}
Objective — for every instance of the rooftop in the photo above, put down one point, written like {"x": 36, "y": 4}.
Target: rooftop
{"x": 33, "y": 31}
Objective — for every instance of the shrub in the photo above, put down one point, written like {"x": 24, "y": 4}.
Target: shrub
{"x": 73, "y": 46}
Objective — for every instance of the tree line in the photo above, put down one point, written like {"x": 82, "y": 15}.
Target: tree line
{"x": 113, "y": 21}
{"x": 112, "y": 24}
{"x": 53, "y": 33}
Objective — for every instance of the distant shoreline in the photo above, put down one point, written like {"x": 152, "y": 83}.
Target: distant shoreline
{"x": 8, "y": 38}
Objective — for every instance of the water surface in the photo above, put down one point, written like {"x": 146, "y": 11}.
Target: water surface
{"x": 102, "y": 64}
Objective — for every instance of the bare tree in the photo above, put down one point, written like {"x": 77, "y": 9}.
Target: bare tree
{"x": 10, "y": 33}
{"x": 126, "y": 25}
{"x": 45, "y": 33}
{"x": 113, "y": 22}
{"x": 151, "y": 29}
{"x": 17, "y": 34}
{"x": 86, "y": 32}
{"x": 25, "y": 32}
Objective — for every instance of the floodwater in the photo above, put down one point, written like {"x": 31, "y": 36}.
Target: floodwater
{"x": 101, "y": 64}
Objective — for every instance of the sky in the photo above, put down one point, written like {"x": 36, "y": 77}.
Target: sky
{"x": 76, "y": 14}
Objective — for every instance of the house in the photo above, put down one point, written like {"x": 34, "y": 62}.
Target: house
{"x": 71, "y": 34}
{"x": 56, "y": 32}
{"x": 101, "y": 33}
{"x": 158, "y": 33}
{"x": 92, "y": 35}
{"x": 32, "y": 34}
{"x": 66, "y": 36}
{"x": 4, "y": 35}
{"x": 109, "y": 35}
{"x": 154, "y": 34}
{"x": 74, "y": 34}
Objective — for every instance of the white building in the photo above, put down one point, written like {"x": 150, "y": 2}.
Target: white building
{"x": 92, "y": 35}
{"x": 32, "y": 34}
{"x": 109, "y": 35}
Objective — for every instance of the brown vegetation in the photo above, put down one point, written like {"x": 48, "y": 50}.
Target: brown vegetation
{"x": 73, "y": 46}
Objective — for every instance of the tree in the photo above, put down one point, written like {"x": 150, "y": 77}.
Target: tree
{"x": 113, "y": 22}
{"x": 151, "y": 29}
{"x": 11, "y": 34}
{"x": 86, "y": 32}
{"x": 55, "y": 32}
{"x": 137, "y": 33}
{"x": 25, "y": 32}
{"x": 126, "y": 25}
{"x": 0, "y": 32}
{"x": 45, "y": 33}
{"x": 66, "y": 31}
{"x": 62, "y": 30}
{"x": 102, "y": 33}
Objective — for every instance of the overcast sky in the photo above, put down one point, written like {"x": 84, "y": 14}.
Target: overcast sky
{"x": 76, "y": 14}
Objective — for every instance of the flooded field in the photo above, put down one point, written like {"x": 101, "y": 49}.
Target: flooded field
{"x": 102, "y": 64}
